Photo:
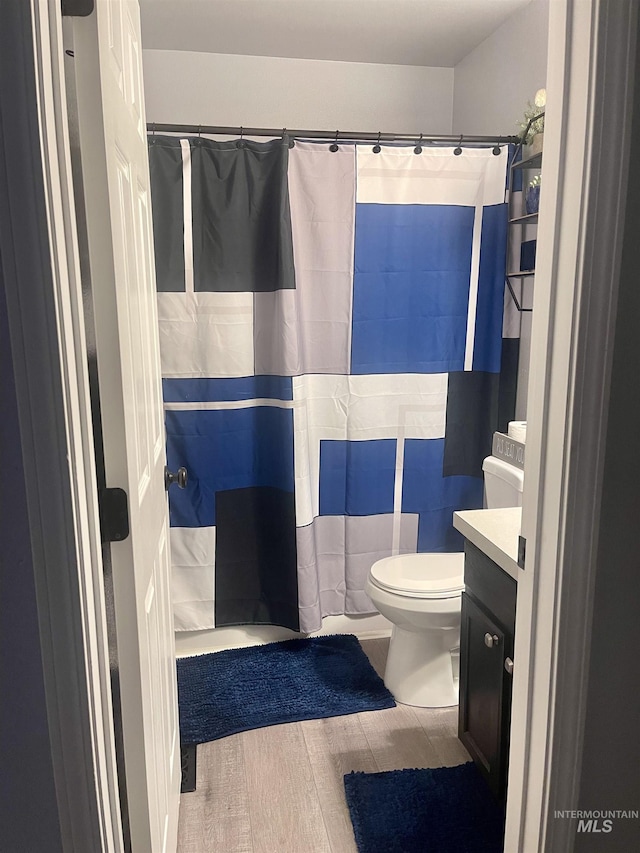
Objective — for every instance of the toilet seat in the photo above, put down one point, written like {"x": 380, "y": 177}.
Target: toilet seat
{"x": 428, "y": 576}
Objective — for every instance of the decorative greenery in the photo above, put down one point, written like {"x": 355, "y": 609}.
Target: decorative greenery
{"x": 532, "y": 110}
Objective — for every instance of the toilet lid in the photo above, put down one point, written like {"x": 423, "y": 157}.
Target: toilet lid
{"x": 423, "y": 575}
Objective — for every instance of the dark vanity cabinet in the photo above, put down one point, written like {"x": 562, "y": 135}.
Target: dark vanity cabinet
{"x": 486, "y": 664}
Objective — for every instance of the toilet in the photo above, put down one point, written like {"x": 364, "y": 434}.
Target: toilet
{"x": 421, "y": 594}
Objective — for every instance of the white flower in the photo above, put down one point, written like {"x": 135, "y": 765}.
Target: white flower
{"x": 540, "y": 99}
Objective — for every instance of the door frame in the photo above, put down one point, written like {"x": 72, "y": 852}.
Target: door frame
{"x": 590, "y": 81}
{"x": 551, "y": 653}
{"x": 45, "y": 314}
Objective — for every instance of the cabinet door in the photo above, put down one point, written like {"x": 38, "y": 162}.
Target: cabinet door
{"x": 485, "y": 695}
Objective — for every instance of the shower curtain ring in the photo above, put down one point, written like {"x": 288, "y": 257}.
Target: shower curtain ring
{"x": 241, "y": 143}
{"x": 199, "y": 130}
{"x": 290, "y": 142}
{"x": 496, "y": 148}
{"x": 376, "y": 148}
{"x": 418, "y": 148}
{"x": 457, "y": 151}
{"x": 334, "y": 147}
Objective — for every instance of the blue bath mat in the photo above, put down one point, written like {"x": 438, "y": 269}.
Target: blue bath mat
{"x": 239, "y": 689}
{"x": 445, "y": 810}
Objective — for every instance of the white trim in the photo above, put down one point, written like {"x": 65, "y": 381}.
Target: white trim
{"x": 352, "y": 257}
{"x": 576, "y": 283}
{"x": 397, "y": 489}
{"x": 474, "y": 280}
{"x": 219, "y": 405}
{"x": 552, "y": 343}
{"x": 598, "y": 273}
{"x": 52, "y": 107}
{"x": 185, "y": 146}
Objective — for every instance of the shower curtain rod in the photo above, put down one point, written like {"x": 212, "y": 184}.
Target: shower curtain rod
{"x": 330, "y": 136}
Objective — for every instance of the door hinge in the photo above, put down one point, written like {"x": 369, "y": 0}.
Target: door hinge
{"x": 522, "y": 551}
{"x": 77, "y": 8}
{"x": 114, "y": 515}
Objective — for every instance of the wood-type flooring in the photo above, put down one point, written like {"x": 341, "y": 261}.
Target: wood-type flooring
{"x": 279, "y": 789}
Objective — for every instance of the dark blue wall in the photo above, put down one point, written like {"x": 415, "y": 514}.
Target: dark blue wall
{"x": 28, "y": 806}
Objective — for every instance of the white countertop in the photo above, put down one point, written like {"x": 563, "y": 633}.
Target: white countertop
{"x": 495, "y": 532}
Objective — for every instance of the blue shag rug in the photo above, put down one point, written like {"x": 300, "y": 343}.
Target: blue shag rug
{"x": 236, "y": 690}
{"x": 444, "y": 810}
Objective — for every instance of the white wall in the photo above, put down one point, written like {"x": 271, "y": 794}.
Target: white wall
{"x": 183, "y": 87}
{"x": 492, "y": 86}
{"x": 494, "y": 82}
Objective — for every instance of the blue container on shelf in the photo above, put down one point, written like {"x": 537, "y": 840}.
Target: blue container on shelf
{"x": 532, "y": 199}
{"x": 528, "y": 255}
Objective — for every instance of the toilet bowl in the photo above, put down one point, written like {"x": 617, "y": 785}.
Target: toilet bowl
{"x": 421, "y": 595}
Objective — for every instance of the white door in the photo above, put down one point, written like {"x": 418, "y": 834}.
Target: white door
{"x": 113, "y": 150}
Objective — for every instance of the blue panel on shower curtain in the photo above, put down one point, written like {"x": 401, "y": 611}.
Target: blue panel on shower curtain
{"x": 203, "y": 390}
{"x": 487, "y": 345}
{"x": 435, "y": 498}
{"x": 357, "y": 477}
{"x": 226, "y": 449}
{"x": 411, "y": 287}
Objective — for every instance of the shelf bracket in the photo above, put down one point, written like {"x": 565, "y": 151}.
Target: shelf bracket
{"x": 515, "y": 298}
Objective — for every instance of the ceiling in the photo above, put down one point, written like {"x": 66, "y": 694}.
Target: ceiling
{"x": 397, "y": 32}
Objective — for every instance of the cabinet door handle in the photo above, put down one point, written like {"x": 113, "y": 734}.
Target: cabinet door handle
{"x": 508, "y": 665}
{"x": 491, "y": 640}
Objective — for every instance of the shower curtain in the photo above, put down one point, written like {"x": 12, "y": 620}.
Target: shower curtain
{"x": 331, "y": 331}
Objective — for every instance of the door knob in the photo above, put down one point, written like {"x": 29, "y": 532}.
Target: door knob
{"x": 491, "y": 640}
{"x": 180, "y": 478}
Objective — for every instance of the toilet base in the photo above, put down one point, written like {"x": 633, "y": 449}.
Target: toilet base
{"x": 419, "y": 667}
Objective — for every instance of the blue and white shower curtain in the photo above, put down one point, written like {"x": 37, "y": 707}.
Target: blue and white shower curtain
{"x": 331, "y": 329}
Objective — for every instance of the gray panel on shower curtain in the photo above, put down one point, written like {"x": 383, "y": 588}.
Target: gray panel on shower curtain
{"x": 165, "y": 169}
{"x": 308, "y": 330}
{"x": 341, "y": 549}
{"x": 241, "y": 217}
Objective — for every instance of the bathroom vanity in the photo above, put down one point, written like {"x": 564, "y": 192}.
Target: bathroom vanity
{"x": 487, "y": 637}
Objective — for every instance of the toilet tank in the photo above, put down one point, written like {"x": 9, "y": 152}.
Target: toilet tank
{"x": 503, "y": 483}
